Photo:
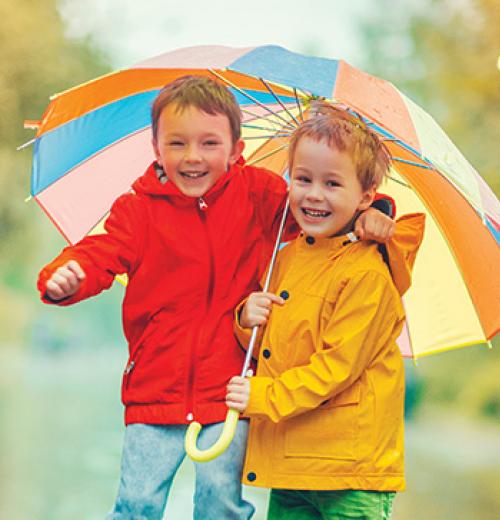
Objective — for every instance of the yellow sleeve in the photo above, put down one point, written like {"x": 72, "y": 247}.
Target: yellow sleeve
{"x": 402, "y": 248}
{"x": 367, "y": 315}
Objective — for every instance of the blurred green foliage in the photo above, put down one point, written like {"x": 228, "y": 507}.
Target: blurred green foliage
{"x": 38, "y": 60}
{"x": 443, "y": 54}
{"x": 465, "y": 380}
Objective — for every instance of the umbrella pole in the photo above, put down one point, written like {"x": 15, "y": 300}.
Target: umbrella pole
{"x": 232, "y": 416}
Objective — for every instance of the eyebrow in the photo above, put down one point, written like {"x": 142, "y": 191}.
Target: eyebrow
{"x": 306, "y": 170}
{"x": 177, "y": 134}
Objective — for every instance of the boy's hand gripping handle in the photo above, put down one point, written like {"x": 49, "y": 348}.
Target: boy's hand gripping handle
{"x": 232, "y": 416}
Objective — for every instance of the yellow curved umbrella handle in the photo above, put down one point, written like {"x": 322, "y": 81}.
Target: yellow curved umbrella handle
{"x": 220, "y": 444}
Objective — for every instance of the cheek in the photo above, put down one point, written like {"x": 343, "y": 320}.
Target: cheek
{"x": 296, "y": 198}
{"x": 294, "y": 195}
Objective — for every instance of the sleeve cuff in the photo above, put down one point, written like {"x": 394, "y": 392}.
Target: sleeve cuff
{"x": 258, "y": 392}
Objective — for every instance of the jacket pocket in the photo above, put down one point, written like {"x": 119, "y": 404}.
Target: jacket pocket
{"x": 330, "y": 431}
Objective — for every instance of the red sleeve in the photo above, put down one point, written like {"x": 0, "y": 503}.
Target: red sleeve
{"x": 271, "y": 192}
{"x": 101, "y": 256}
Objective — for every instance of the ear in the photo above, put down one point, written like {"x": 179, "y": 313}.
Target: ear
{"x": 237, "y": 150}
{"x": 367, "y": 198}
{"x": 156, "y": 150}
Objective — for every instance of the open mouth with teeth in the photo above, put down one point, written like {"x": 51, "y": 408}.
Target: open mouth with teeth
{"x": 315, "y": 213}
{"x": 193, "y": 175}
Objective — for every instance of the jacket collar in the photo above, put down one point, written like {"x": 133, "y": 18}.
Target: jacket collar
{"x": 330, "y": 247}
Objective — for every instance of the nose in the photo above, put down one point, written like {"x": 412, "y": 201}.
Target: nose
{"x": 314, "y": 193}
{"x": 192, "y": 154}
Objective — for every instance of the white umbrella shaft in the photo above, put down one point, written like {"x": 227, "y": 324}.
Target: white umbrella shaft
{"x": 267, "y": 281}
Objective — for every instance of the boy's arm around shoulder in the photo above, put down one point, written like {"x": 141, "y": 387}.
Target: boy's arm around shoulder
{"x": 402, "y": 248}
{"x": 100, "y": 256}
{"x": 367, "y": 318}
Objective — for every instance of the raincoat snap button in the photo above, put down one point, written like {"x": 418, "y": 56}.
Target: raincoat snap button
{"x": 285, "y": 295}
{"x": 251, "y": 476}
{"x": 310, "y": 240}
{"x": 266, "y": 353}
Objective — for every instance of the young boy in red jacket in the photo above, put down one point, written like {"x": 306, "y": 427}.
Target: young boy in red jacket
{"x": 194, "y": 237}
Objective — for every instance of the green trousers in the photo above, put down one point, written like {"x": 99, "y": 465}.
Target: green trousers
{"x": 329, "y": 505}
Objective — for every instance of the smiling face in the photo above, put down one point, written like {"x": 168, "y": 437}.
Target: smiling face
{"x": 325, "y": 193}
{"x": 194, "y": 148}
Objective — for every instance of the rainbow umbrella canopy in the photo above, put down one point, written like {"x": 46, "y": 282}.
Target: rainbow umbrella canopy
{"x": 94, "y": 140}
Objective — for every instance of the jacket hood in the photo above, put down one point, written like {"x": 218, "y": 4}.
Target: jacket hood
{"x": 149, "y": 183}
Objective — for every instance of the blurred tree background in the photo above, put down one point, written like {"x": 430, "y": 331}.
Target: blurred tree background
{"x": 38, "y": 60}
{"x": 443, "y": 54}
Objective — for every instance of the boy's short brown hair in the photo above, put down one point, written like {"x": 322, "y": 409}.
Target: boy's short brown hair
{"x": 203, "y": 93}
{"x": 346, "y": 131}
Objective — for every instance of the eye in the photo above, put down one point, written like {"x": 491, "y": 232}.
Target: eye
{"x": 211, "y": 142}
{"x": 175, "y": 143}
{"x": 333, "y": 184}
{"x": 302, "y": 179}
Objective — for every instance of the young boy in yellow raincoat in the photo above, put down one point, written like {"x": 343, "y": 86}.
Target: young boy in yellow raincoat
{"x": 326, "y": 405}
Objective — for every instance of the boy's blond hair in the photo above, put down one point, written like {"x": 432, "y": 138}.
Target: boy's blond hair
{"x": 203, "y": 93}
{"x": 346, "y": 132}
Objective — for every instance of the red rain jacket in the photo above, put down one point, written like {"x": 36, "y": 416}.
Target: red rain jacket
{"x": 190, "y": 262}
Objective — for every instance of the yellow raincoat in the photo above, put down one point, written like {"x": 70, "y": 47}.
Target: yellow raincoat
{"x": 326, "y": 405}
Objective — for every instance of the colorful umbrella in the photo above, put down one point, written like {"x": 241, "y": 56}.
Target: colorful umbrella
{"x": 93, "y": 141}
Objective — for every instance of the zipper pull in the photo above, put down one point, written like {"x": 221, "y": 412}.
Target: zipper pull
{"x": 129, "y": 368}
{"x": 202, "y": 204}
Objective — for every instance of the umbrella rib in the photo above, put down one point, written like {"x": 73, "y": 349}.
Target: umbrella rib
{"x": 251, "y": 98}
{"x": 271, "y": 91}
{"x": 412, "y": 163}
{"x": 257, "y": 127}
{"x": 298, "y": 104}
{"x": 266, "y": 155}
{"x": 270, "y": 136}
{"x": 260, "y": 116}
{"x": 267, "y": 118}
{"x": 404, "y": 145}
{"x": 25, "y": 145}
{"x": 399, "y": 182}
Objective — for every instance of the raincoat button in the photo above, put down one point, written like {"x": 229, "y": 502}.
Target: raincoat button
{"x": 251, "y": 476}
{"x": 266, "y": 353}
{"x": 285, "y": 295}
{"x": 310, "y": 240}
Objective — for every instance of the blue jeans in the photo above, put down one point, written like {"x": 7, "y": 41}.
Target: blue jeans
{"x": 151, "y": 457}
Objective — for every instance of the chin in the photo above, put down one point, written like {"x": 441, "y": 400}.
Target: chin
{"x": 194, "y": 191}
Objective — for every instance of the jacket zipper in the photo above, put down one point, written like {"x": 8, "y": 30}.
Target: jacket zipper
{"x": 203, "y": 206}
{"x": 132, "y": 363}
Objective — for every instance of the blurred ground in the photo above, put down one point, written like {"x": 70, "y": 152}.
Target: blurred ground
{"x": 61, "y": 441}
